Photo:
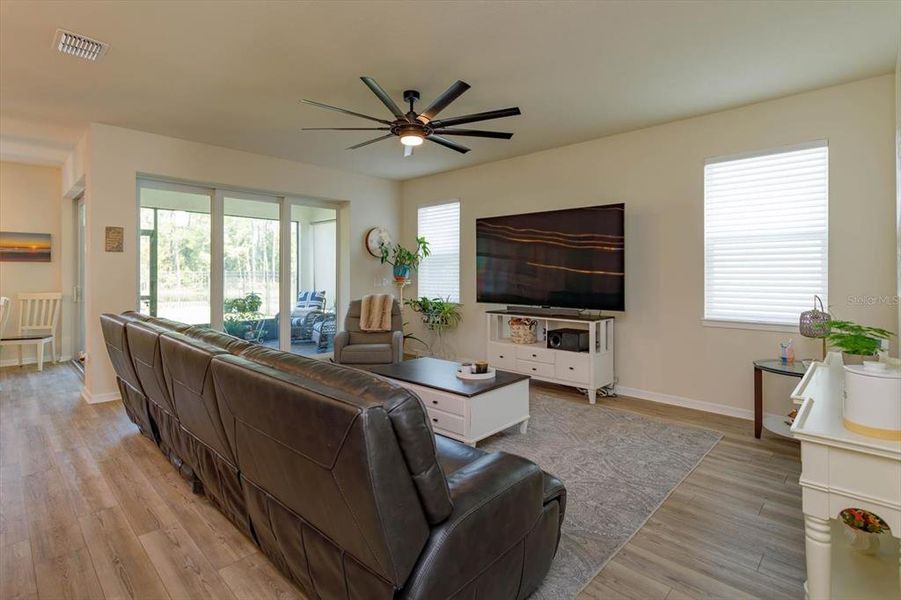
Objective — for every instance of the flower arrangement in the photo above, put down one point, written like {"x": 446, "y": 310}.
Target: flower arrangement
{"x": 863, "y": 520}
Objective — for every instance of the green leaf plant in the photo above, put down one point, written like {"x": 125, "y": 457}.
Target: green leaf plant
{"x": 398, "y": 256}
{"x": 852, "y": 338}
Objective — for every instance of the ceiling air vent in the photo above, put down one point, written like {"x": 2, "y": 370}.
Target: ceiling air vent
{"x": 79, "y": 46}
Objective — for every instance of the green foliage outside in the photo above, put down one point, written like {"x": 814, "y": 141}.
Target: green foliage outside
{"x": 183, "y": 257}
{"x": 241, "y": 314}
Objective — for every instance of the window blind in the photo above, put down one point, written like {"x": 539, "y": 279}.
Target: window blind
{"x": 766, "y": 235}
{"x": 439, "y": 273}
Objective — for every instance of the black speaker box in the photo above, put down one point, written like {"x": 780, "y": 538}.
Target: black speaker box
{"x": 574, "y": 340}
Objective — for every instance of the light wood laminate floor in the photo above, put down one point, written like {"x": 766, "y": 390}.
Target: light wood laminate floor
{"x": 90, "y": 509}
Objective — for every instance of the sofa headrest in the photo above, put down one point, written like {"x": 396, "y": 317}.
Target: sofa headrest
{"x": 113, "y": 327}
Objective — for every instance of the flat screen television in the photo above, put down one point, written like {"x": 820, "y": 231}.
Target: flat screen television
{"x": 571, "y": 258}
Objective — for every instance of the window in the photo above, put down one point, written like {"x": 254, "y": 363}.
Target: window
{"x": 215, "y": 257}
{"x": 765, "y": 235}
{"x": 439, "y": 274}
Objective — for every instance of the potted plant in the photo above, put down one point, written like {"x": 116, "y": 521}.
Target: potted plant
{"x": 438, "y": 315}
{"x": 402, "y": 259}
{"x": 857, "y": 342}
{"x": 242, "y": 314}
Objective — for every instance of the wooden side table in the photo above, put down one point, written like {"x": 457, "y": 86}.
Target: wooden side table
{"x": 772, "y": 365}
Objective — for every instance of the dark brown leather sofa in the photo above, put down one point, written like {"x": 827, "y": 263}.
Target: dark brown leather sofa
{"x": 335, "y": 473}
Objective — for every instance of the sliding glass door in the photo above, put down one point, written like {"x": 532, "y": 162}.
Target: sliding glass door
{"x": 238, "y": 262}
{"x": 250, "y": 245}
{"x": 175, "y": 252}
{"x": 313, "y": 278}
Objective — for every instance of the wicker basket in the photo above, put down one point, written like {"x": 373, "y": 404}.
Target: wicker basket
{"x": 522, "y": 331}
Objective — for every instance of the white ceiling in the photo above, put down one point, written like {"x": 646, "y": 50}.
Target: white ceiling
{"x": 231, "y": 73}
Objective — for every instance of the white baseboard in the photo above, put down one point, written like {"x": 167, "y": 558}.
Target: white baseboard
{"x": 30, "y": 360}
{"x": 91, "y": 398}
{"x": 711, "y": 407}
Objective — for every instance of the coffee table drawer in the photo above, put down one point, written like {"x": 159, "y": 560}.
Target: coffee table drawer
{"x": 530, "y": 367}
{"x": 449, "y": 403}
{"x": 446, "y": 421}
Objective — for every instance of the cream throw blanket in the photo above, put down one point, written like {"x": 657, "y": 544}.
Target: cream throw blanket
{"x": 375, "y": 312}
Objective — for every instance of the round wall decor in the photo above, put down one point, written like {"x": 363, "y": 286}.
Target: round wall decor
{"x": 376, "y": 238}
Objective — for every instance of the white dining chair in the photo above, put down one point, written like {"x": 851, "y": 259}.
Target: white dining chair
{"x": 39, "y": 314}
{"x": 5, "y": 307}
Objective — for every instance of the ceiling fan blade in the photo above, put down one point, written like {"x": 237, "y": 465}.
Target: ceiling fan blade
{"x": 448, "y": 143}
{"x": 372, "y": 141}
{"x": 440, "y": 103}
{"x": 383, "y": 96}
{"x": 500, "y": 135}
{"x": 346, "y": 112}
{"x": 408, "y": 151}
{"x": 345, "y": 128}
{"x": 482, "y": 116}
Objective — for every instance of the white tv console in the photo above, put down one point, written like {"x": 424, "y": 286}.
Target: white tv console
{"x": 590, "y": 370}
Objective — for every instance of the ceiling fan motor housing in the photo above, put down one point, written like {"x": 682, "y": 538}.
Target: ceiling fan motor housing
{"x": 403, "y": 128}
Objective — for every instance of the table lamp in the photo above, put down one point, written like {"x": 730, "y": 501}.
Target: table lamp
{"x": 815, "y": 323}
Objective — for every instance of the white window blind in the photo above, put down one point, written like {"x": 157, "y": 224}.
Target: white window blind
{"x": 765, "y": 235}
{"x": 439, "y": 273}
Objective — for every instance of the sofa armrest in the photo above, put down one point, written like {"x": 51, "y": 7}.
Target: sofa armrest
{"x": 498, "y": 499}
{"x": 341, "y": 339}
{"x": 397, "y": 346}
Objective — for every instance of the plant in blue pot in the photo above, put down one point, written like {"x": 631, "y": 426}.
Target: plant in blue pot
{"x": 403, "y": 260}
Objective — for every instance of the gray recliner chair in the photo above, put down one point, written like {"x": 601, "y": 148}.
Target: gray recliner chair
{"x": 356, "y": 347}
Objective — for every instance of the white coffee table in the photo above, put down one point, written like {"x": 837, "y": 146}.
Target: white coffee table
{"x": 467, "y": 411}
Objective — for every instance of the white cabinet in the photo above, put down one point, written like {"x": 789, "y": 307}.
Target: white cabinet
{"x": 841, "y": 469}
{"x": 591, "y": 369}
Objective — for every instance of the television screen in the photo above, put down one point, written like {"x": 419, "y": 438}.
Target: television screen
{"x": 561, "y": 258}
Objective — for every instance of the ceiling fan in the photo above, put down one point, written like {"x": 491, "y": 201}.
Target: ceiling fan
{"x": 414, "y": 128}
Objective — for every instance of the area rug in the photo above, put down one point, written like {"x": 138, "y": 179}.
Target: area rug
{"x": 618, "y": 468}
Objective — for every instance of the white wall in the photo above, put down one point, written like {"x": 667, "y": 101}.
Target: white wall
{"x": 662, "y": 346}
{"x": 111, "y": 159}
{"x": 31, "y": 202}
{"x": 898, "y": 181}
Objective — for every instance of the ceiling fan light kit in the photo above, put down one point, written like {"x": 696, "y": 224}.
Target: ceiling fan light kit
{"x": 413, "y": 129}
